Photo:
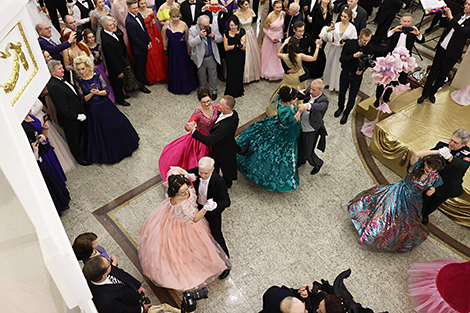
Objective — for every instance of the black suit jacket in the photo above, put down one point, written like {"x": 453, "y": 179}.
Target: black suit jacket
{"x": 453, "y": 172}
{"x": 389, "y": 8}
{"x": 359, "y": 21}
{"x": 139, "y": 38}
{"x": 458, "y": 39}
{"x": 114, "y": 52}
{"x": 117, "y": 298}
{"x": 67, "y": 103}
{"x": 224, "y": 146}
{"x": 186, "y": 12}
{"x": 273, "y": 297}
{"x": 317, "y": 110}
{"x": 216, "y": 190}
{"x": 410, "y": 41}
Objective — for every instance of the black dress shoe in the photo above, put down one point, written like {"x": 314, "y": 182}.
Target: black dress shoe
{"x": 432, "y": 98}
{"x": 425, "y": 220}
{"x": 428, "y": 30}
{"x": 84, "y": 162}
{"x": 338, "y": 112}
{"x": 245, "y": 148}
{"x": 224, "y": 274}
{"x": 144, "y": 89}
{"x": 315, "y": 170}
{"x": 376, "y": 103}
{"x": 344, "y": 119}
{"x": 214, "y": 96}
{"x": 421, "y": 99}
{"x": 124, "y": 103}
{"x": 126, "y": 96}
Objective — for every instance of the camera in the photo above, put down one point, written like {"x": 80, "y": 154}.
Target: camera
{"x": 143, "y": 299}
{"x": 208, "y": 30}
{"x": 190, "y": 298}
{"x": 365, "y": 61}
{"x": 406, "y": 29}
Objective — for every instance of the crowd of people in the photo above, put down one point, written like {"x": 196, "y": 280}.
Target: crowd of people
{"x": 108, "y": 50}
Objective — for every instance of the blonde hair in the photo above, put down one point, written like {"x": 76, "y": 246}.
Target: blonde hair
{"x": 83, "y": 59}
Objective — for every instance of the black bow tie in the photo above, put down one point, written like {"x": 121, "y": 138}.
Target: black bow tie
{"x": 192, "y": 3}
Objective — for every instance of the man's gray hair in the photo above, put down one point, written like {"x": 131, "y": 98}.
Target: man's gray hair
{"x": 105, "y": 19}
{"x": 294, "y": 6}
{"x": 206, "y": 162}
{"x": 202, "y": 18}
{"x": 319, "y": 83}
{"x": 462, "y": 134}
{"x": 52, "y": 64}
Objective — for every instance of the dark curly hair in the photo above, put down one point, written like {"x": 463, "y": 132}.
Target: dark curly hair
{"x": 293, "y": 47}
{"x": 174, "y": 184}
{"x": 436, "y": 162}
{"x": 287, "y": 93}
{"x": 203, "y": 92}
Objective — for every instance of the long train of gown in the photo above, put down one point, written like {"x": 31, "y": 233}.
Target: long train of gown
{"x": 271, "y": 160}
{"x": 388, "y": 217}
{"x": 186, "y": 151}
{"x": 177, "y": 253}
{"x": 252, "y": 70}
{"x": 440, "y": 286}
{"x": 462, "y": 96}
{"x": 271, "y": 67}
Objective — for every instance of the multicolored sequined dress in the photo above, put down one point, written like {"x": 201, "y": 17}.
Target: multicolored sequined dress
{"x": 388, "y": 217}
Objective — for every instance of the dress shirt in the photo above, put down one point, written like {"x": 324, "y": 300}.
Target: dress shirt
{"x": 222, "y": 117}
{"x": 67, "y": 83}
{"x": 402, "y": 39}
{"x": 111, "y": 34}
{"x": 192, "y": 7}
{"x": 312, "y": 100}
{"x": 52, "y": 42}
{"x": 138, "y": 21}
{"x": 215, "y": 22}
{"x": 110, "y": 280}
{"x": 202, "y": 191}
{"x": 354, "y": 12}
{"x": 77, "y": 14}
{"x": 446, "y": 40}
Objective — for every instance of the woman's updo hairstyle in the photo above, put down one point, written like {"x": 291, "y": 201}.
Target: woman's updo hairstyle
{"x": 174, "y": 184}
{"x": 287, "y": 94}
{"x": 336, "y": 304}
{"x": 203, "y": 92}
{"x": 434, "y": 161}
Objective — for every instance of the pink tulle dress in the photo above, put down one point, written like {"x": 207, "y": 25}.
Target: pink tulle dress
{"x": 271, "y": 67}
{"x": 440, "y": 286}
{"x": 186, "y": 151}
{"x": 176, "y": 252}
{"x": 462, "y": 96}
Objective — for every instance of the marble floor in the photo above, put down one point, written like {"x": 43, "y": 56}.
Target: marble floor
{"x": 274, "y": 238}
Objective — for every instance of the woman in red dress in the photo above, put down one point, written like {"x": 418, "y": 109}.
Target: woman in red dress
{"x": 157, "y": 61}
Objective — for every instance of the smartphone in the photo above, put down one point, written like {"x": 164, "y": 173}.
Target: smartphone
{"x": 93, "y": 86}
{"x": 46, "y": 117}
{"x": 406, "y": 29}
{"x": 36, "y": 136}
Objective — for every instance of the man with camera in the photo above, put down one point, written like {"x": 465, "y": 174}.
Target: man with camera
{"x": 355, "y": 58}
{"x": 113, "y": 289}
{"x": 205, "y": 53}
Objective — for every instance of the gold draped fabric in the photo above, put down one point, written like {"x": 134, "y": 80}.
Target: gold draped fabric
{"x": 419, "y": 127}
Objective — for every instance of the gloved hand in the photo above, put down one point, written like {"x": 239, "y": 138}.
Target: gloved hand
{"x": 445, "y": 153}
{"x": 81, "y": 117}
{"x": 211, "y": 205}
{"x": 191, "y": 177}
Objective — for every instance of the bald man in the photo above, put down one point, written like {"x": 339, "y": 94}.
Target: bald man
{"x": 45, "y": 41}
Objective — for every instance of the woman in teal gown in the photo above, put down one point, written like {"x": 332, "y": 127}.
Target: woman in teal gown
{"x": 271, "y": 161}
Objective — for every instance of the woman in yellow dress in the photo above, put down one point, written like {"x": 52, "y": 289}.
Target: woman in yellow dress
{"x": 163, "y": 13}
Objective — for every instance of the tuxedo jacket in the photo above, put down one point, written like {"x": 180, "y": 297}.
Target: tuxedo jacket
{"x": 273, "y": 297}
{"x": 139, "y": 38}
{"x": 67, "y": 103}
{"x": 410, "y": 41}
{"x": 114, "y": 52}
{"x": 359, "y": 21}
{"x": 117, "y": 298}
{"x": 185, "y": 10}
{"x": 317, "y": 109}
{"x": 458, "y": 39}
{"x": 216, "y": 190}
{"x": 389, "y": 9}
{"x": 54, "y": 51}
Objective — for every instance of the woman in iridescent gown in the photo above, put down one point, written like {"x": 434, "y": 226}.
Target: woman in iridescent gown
{"x": 388, "y": 217}
{"x": 271, "y": 160}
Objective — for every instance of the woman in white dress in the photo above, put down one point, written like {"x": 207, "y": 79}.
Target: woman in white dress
{"x": 336, "y": 34}
{"x": 253, "y": 55}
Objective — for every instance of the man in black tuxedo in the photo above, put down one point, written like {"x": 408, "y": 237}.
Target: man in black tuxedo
{"x": 222, "y": 140}
{"x": 385, "y": 17}
{"x": 70, "y": 110}
{"x": 114, "y": 51}
{"x": 359, "y": 18}
{"x": 113, "y": 289}
{"x": 457, "y": 155}
{"x": 449, "y": 50}
{"x": 52, "y": 7}
{"x": 400, "y": 36}
{"x": 139, "y": 41}
{"x": 281, "y": 300}
{"x": 190, "y": 11}
{"x": 311, "y": 121}
{"x": 81, "y": 13}
{"x": 209, "y": 185}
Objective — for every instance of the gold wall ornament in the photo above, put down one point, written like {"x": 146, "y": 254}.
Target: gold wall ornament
{"x": 10, "y": 84}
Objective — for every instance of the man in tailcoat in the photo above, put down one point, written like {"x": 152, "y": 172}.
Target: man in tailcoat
{"x": 190, "y": 11}
{"x": 209, "y": 185}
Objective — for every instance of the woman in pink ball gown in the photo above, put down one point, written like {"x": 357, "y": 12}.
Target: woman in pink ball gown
{"x": 271, "y": 67}
{"x": 176, "y": 248}
{"x": 186, "y": 151}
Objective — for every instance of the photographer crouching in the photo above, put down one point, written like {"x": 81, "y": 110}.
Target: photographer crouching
{"x": 355, "y": 58}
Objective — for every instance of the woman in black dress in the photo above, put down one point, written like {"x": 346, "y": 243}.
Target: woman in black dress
{"x": 322, "y": 15}
{"x": 235, "y": 45}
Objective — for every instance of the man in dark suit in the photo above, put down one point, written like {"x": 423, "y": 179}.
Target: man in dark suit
{"x": 81, "y": 13}
{"x": 47, "y": 44}
{"x": 190, "y": 11}
{"x": 113, "y": 289}
{"x": 385, "y": 17}
{"x": 449, "y": 50}
{"x": 457, "y": 155}
{"x": 400, "y": 36}
{"x": 70, "y": 110}
{"x": 52, "y": 7}
{"x": 293, "y": 16}
{"x": 281, "y": 300}
{"x": 359, "y": 18}
{"x": 209, "y": 185}
{"x": 114, "y": 51}
{"x": 222, "y": 140}
{"x": 139, "y": 41}
{"x": 311, "y": 121}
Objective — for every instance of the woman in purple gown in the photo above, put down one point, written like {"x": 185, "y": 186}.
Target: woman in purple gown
{"x": 110, "y": 135}
{"x": 182, "y": 77}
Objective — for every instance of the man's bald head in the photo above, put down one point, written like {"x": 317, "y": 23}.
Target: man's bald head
{"x": 44, "y": 30}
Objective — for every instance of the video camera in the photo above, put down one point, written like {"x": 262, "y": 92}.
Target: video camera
{"x": 365, "y": 61}
{"x": 189, "y": 299}
{"x": 143, "y": 299}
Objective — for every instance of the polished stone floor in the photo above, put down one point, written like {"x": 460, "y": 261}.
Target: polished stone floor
{"x": 274, "y": 238}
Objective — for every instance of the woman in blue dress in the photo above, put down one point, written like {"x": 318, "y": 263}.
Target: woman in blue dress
{"x": 271, "y": 161}
{"x": 388, "y": 217}
{"x": 110, "y": 136}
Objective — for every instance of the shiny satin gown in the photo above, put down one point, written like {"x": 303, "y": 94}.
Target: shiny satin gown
{"x": 388, "y": 217}
{"x": 271, "y": 161}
